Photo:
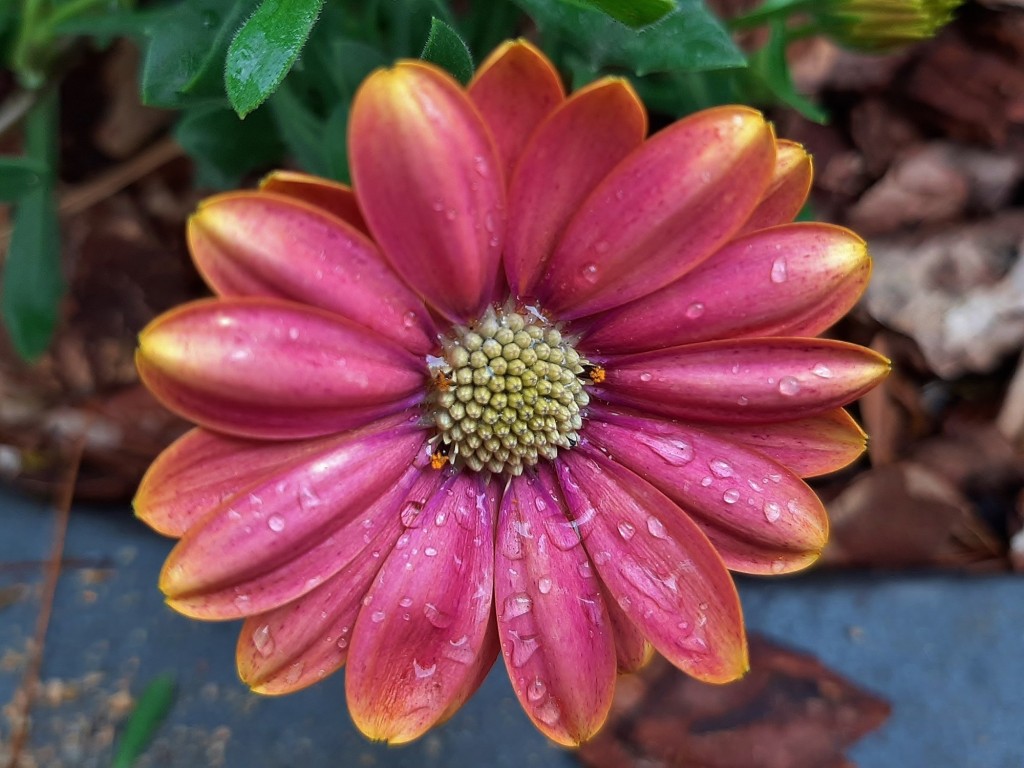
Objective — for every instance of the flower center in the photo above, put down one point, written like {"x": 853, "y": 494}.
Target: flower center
{"x": 508, "y": 391}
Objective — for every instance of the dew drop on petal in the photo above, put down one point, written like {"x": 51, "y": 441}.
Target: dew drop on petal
{"x": 772, "y": 511}
{"x": 779, "y": 270}
{"x": 656, "y": 528}
{"x": 262, "y": 640}
{"x": 793, "y": 506}
{"x": 430, "y": 552}
{"x": 822, "y": 371}
{"x": 548, "y": 712}
{"x": 517, "y": 605}
{"x": 423, "y": 671}
{"x": 731, "y": 496}
{"x": 778, "y": 566}
{"x": 377, "y": 617}
{"x": 536, "y": 690}
{"x": 695, "y": 310}
{"x": 275, "y": 523}
{"x": 294, "y": 672}
{"x": 540, "y": 504}
{"x": 673, "y": 451}
{"x": 706, "y": 481}
{"x": 589, "y": 273}
{"x": 405, "y": 602}
{"x": 742, "y": 400}
{"x": 544, "y": 585}
{"x": 523, "y": 647}
{"x": 720, "y": 468}
{"x": 626, "y": 530}
{"x": 646, "y": 376}
{"x": 602, "y": 557}
{"x": 789, "y": 385}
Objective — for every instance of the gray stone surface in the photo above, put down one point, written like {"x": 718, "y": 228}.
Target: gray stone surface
{"x": 946, "y": 651}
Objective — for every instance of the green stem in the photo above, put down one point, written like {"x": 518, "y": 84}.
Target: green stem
{"x": 770, "y": 12}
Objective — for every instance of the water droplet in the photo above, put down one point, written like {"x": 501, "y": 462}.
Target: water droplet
{"x": 778, "y": 566}
{"x": 720, "y": 468}
{"x": 544, "y": 585}
{"x": 626, "y": 530}
{"x": 436, "y": 616}
{"x": 275, "y": 523}
{"x": 788, "y": 385}
{"x": 242, "y": 602}
{"x": 438, "y": 206}
{"x": 308, "y": 498}
{"x": 430, "y": 552}
{"x": 742, "y": 400}
{"x": 517, "y": 605}
{"x": 754, "y": 485}
{"x": 234, "y": 514}
{"x": 646, "y": 376}
{"x": 342, "y": 643}
{"x": 451, "y": 214}
{"x": 589, "y": 273}
{"x": 409, "y": 319}
{"x": 480, "y": 166}
{"x": 822, "y": 371}
{"x": 779, "y": 270}
{"x": 536, "y": 690}
{"x": 585, "y": 570}
{"x": 695, "y": 310}
{"x": 523, "y": 647}
{"x": 772, "y": 511}
{"x": 673, "y": 451}
{"x": 731, "y": 496}
{"x": 707, "y": 480}
{"x": 294, "y": 672}
{"x": 656, "y": 528}
{"x": 793, "y": 506}
{"x": 602, "y": 557}
{"x": 423, "y": 672}
{"x": 377, "y": 617}
{"x": 540, "y": 504}
{"x": 403, "y": 541}
{"x": 262, "y": 641}
{"x": 405, "y": 602}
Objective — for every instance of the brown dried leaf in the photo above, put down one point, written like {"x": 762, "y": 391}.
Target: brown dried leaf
{"x": 790, "y": 711}
{"x": 907, "y": 515}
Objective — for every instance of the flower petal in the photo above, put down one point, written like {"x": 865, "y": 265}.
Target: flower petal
{"x": 299, "y": 643}
{"x": 426, "y": 617}
{"x": 746, "y": 381}
{"x": 612, "y": 118}
{"x": 260, "y": 244}
{"x": 430, "y": 185}
{"x": 334, "y": 197}
{"x": 294, "y": 528}
{"x": 202, "y": 470}
{"x": 515, "y": 88}
{"x": 760, "y": 516}
{"x": 664, "y": 209}
{"x": 269, "y": 368}
{"x": 632, "y": 651}
{"x": 555, "y": 634}
{"x": 656, "y": 563}
{"x": 787, "y": 192}
{"x": 758, "y": 285}
{"x": 810, "y": 447}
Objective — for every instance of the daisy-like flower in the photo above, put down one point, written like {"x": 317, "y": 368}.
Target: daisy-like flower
{"x": 532, "y": 388}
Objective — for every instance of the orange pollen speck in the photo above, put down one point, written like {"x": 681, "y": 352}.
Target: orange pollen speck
{"x": 438, "y": 460}
{"x": 597, "y": 374}
{"x": 443, "y": 384}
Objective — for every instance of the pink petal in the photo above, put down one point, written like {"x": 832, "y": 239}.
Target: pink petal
{"x": 760, "y": 516}
{"x": 269, "y": 368}
{"x": 337, "y": 199}
{"x": 260, "y": 244}
{"x": 758, "y": 285}
{"x": 294, "y": 528}
{"x": 425, "y": 619}
{"x": 787, "y": 192}
{"x": 301, "y": 642}
{"x": 746, "y": 381}
{"x": 202, "y": 470}
{"x": 632, "y": 651}
{"x": 809, "y": 447}
{"x": 555, "y": 634}
{"x": 663, "y": 210}
{"x": 584, "y": 139}
{"x": 659, "y": 567}
{"x": 430, "y": 185}
{"x": 515, "y": 88}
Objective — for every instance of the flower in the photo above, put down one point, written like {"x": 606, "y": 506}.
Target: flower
{"x": 881, "y": 25}
{"x": 530, "y": 389}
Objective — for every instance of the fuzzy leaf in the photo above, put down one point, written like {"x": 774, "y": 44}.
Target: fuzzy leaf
{"x": 632, "y": 13}
{"x": 445, "y": 48}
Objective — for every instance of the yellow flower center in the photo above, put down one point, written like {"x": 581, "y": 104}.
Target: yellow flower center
{"x": 508, "y": 391}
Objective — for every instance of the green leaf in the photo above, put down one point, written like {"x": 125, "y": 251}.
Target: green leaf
{"x": 771, "y": 66}
{"x": 301, "y": 130}
{"x": 689, "y": 38}
{"x": 18, "y": 176}
{"x": 32, "y": 283}
{"x": 151, "y": 710}
{"x": 449, "y": 51}
{"x": 224, "y": 147}
{"x": 632, "y": 13}
{"x": 265, "y": 48}
{"x": 184, "y": 61}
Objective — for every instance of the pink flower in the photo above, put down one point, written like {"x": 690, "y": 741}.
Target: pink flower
{"x": 533, "y": 387}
